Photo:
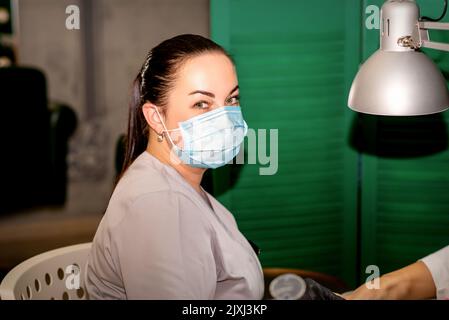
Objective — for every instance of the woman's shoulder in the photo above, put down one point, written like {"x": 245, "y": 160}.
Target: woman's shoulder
{"x": 147, "y": 188}
{"x": 144, "y": 175}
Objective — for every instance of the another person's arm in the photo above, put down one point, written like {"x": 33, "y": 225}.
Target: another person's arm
{"x": 411, "y": 282}
{"x": 425, "y": 279}
{"x": 438, "y": 265}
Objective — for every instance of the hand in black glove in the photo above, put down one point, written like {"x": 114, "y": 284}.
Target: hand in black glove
{"x": 316, "y": 291}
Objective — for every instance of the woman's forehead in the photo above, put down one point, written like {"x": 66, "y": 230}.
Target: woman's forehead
{"x": 212, "y": 72}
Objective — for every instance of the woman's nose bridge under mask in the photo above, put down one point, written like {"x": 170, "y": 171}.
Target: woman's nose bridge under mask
{"x": 211, "y": 139}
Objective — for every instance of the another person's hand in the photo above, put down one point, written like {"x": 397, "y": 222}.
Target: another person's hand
{"x": 412, "y": 282}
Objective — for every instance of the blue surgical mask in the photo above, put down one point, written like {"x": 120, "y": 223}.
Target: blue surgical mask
{"x": 212, "y": 139}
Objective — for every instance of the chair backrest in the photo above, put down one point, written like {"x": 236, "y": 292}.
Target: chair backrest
{"x": 52, "y": 275}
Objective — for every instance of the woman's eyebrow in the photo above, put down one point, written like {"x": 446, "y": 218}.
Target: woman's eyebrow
{"x": 210, "y": 94}
{"x": 235, "y": 89}
{"x": 206, "y": 93}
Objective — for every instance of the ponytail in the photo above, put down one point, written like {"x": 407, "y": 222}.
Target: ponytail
{"x": 137, "y": 135}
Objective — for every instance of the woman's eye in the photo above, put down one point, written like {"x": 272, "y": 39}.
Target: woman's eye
{"x": 234, "y": 101}
{"x": 201, "y": 105}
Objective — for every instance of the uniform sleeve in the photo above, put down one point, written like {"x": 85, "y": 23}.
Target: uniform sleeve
{"x": 438, "y": 265}
{"x": 164, "y": 250}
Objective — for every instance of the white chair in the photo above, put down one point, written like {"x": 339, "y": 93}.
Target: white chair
{"x": 53, "y": 275}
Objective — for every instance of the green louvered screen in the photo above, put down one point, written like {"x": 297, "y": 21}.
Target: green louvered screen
{"x": 405, "y": 185}
{"x": 296, "y": 61}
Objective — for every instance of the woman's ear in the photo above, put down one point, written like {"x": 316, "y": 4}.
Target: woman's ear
{"x": 152, "y": 117}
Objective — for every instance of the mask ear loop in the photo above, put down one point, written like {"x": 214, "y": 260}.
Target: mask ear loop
{"x": 160, "y": 136}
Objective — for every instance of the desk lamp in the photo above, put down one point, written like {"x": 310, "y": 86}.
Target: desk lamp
{"x": 398, "y": 79}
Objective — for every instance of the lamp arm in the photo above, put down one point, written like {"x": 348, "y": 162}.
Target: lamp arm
{"x": 424, "y": 38}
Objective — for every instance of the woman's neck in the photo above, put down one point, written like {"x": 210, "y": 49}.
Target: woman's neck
{"x": 192, "y": 175}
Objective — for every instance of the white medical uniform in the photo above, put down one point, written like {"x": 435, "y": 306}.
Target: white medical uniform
{"x": 159, "y": 239}
{"x": 438, "y": 265}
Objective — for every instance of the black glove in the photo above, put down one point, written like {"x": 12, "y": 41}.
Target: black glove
{"x": 316, "y": 291}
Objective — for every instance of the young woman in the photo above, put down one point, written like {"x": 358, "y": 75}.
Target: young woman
{"x": 163, "y": 236}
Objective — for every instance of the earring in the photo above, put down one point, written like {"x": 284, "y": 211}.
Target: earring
{"x": 160, "y": 137}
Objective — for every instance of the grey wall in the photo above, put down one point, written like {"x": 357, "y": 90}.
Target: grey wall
{"x": 92, "y": 69}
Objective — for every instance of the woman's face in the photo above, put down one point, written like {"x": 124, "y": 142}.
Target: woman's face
{"x": 203, "y": 83}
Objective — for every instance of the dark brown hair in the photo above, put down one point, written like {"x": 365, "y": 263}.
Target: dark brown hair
{"x": 154, "y": 82}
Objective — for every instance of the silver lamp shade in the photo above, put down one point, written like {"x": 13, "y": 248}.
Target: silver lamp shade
{"x": 399, "y": 80}
{"x": 399, "y": 84}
